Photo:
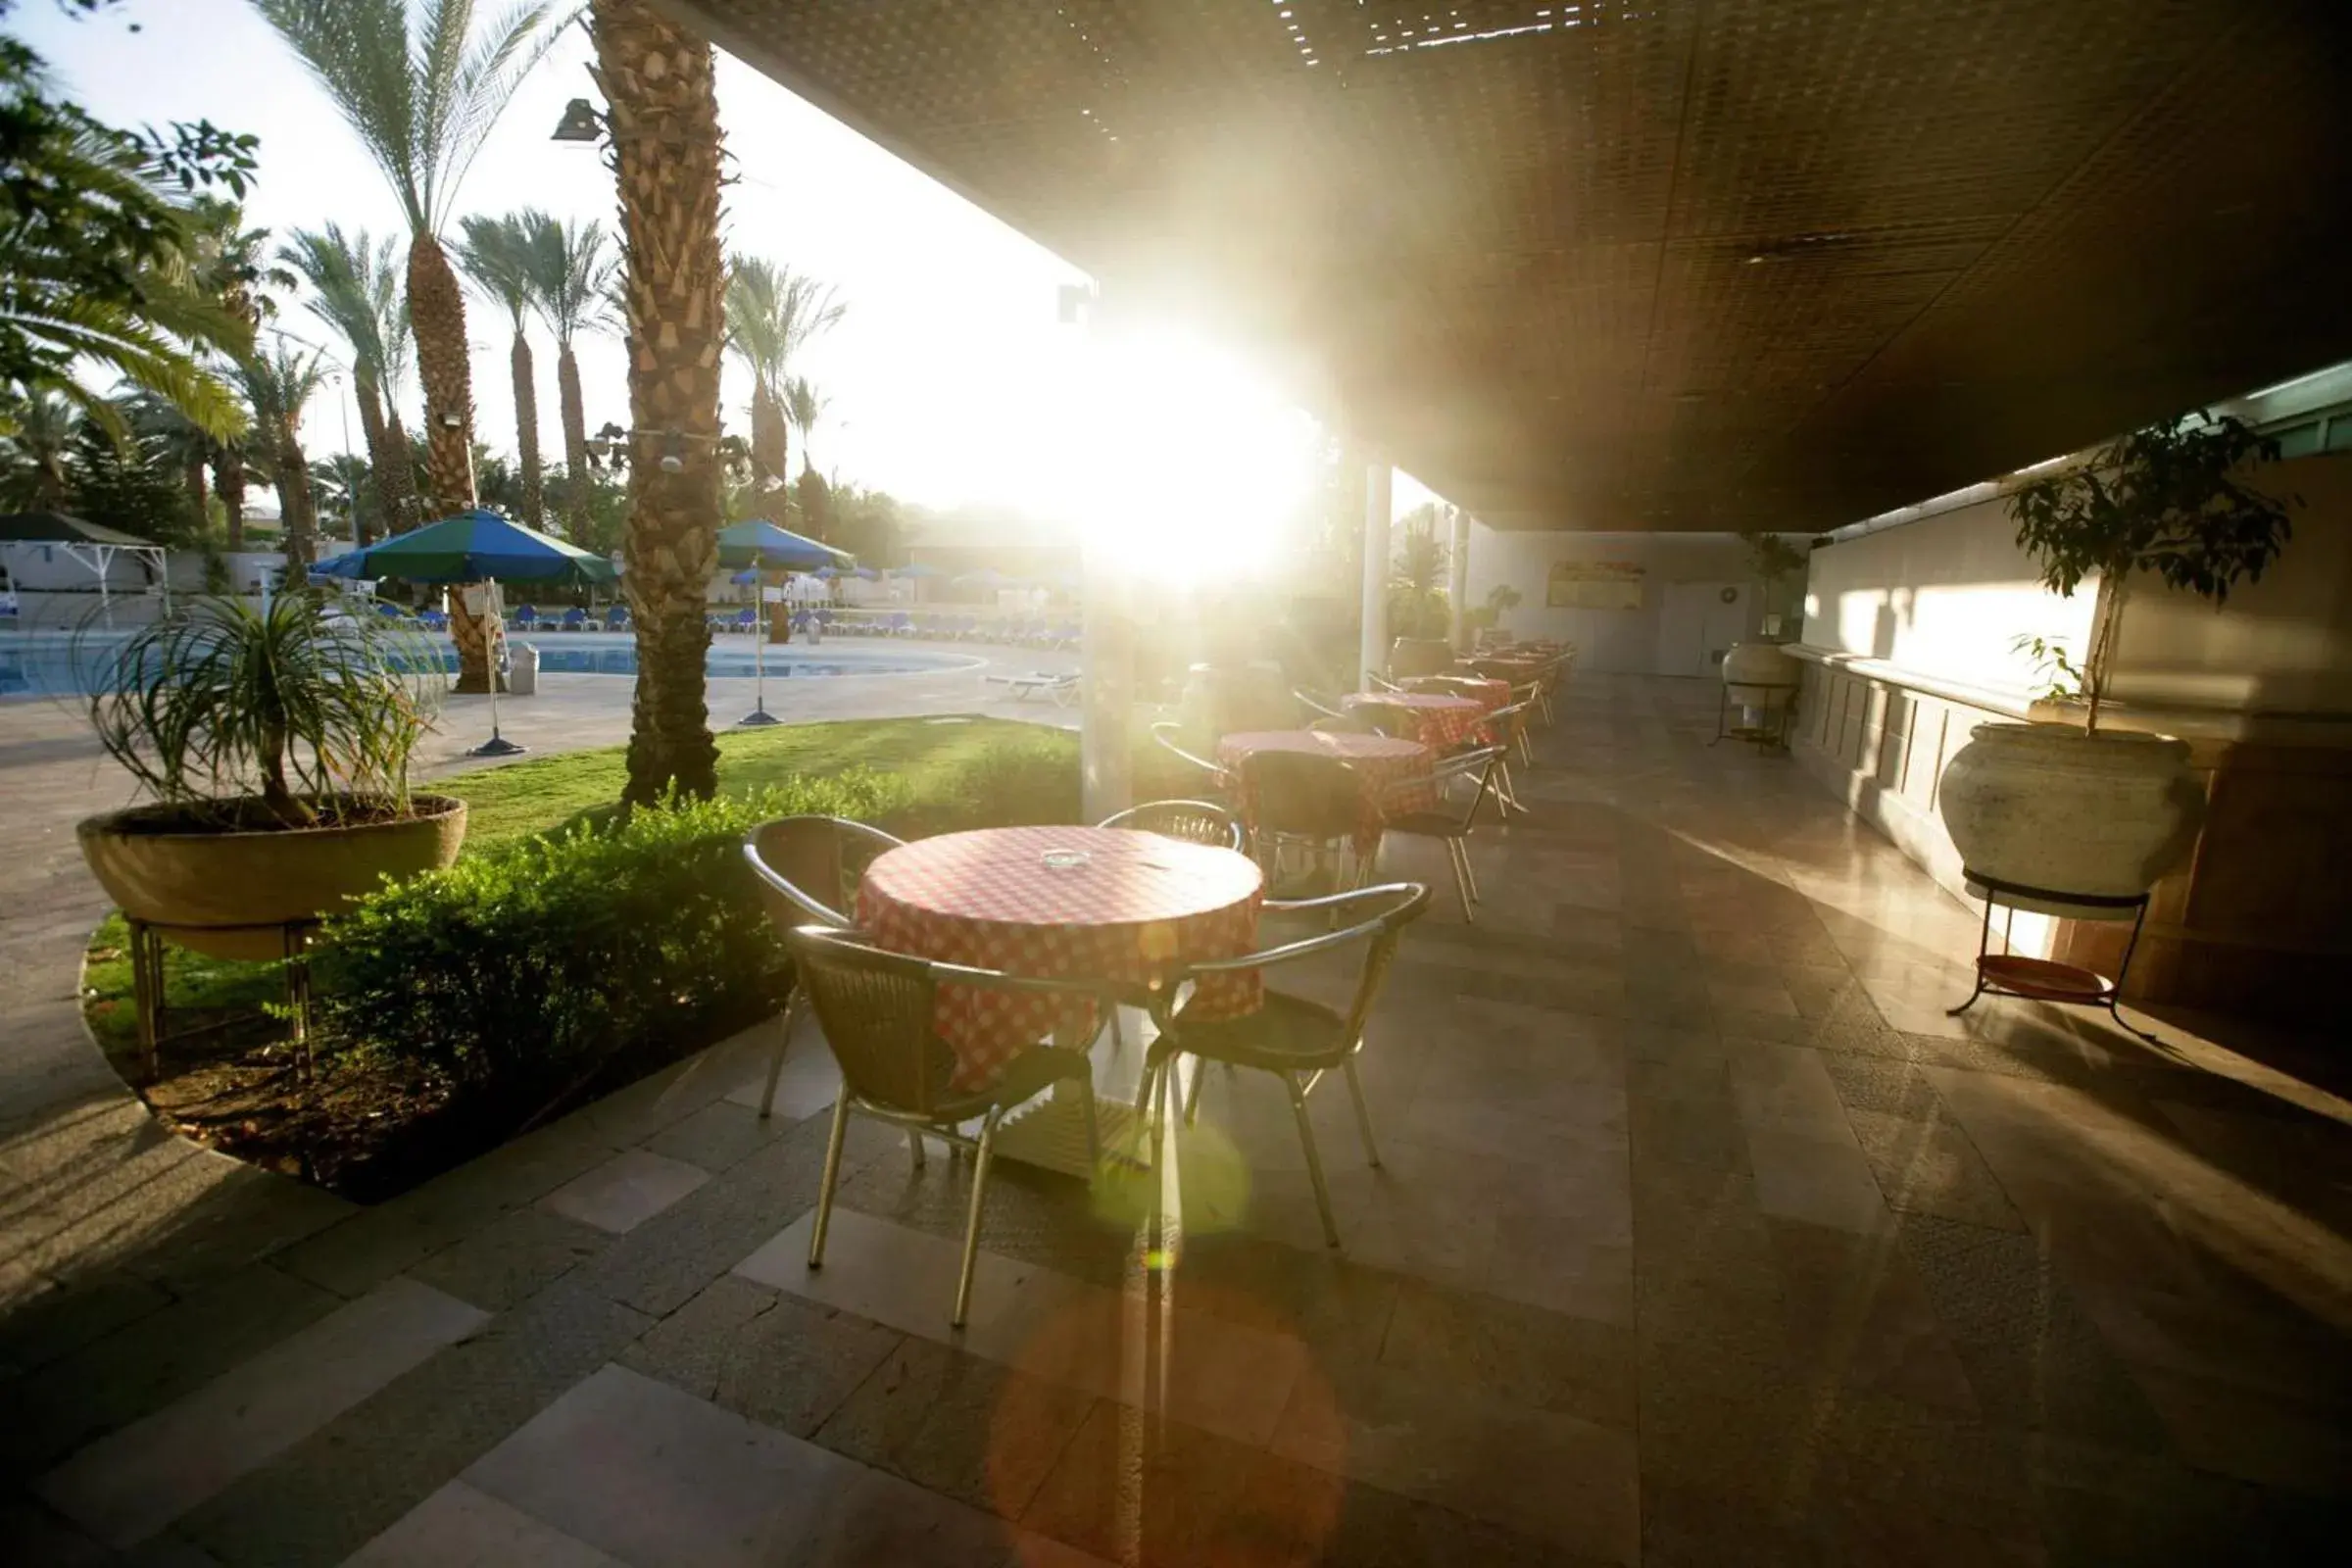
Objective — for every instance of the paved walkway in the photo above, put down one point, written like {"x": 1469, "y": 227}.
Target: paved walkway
{"x": 1701, "y": 1236}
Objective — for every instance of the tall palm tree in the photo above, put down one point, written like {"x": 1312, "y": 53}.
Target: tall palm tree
{"x": 496, "y": 254}
{"x": 804, "y": 408}
{"x": 664, "y": 118}
{"x": 177, "y": 440}
{"x": 40, "y": 450}
{"x": 355, "y": 281}
{"x": 278, "y": 382}
{"x": 570, "y": 276}
{"x": 422, "y": 105}
{"x": 345, "y": 483}
{"x": 771, "y": 311}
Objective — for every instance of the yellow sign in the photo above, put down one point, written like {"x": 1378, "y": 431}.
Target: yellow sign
{"x": 1594, "y": 585}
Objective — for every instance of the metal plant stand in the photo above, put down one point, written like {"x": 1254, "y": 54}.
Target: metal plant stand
{"x": 147, "y": 990}
{"x": 2011, "y": 974}
{"x": 1770, "y": 736}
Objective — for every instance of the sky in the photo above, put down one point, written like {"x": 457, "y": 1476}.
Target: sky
{"x": 951, "y": 379}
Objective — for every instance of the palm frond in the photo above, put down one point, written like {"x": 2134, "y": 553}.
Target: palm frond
{"x": 496, "y": 254}
{"x": 571, "y": 269}
{"x": 771, "y": 311}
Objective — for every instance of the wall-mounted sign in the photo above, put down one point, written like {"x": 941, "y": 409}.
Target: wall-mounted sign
{"x": 1594, "y": 585}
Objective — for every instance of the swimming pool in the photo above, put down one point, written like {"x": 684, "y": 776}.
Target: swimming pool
{"x": 61, "y": 664}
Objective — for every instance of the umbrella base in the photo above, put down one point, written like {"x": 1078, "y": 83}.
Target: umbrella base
{"x": 498, "y": 745}
{"x": 758, "y": 716}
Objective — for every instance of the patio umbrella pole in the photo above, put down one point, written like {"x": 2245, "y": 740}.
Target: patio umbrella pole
{"x": 493, "y": 614}
{"x": 759, "y": 713}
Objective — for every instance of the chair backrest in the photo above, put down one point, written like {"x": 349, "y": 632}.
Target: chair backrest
{"x": 1166, "y": 733}
{"x": 808, "y": 866}
{"x": 1194, "y": 821}
{"x": 1505, "y": 723}
{"x": 1478, "y": 766}
{"x": 1316, "y": 703}
{"x": 1303, "y": 794}
{"x": 1376, "y": 916}
{"x": 876, "y": 1009}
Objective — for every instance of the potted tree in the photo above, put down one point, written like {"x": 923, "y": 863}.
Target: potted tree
{"x": 1759, "y": 673}
{"x": 274, "y": 740}
{"x": 2065, "y": 805}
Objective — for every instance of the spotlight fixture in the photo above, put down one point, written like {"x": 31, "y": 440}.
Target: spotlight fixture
{"x": 580, "y": 122}
{"x": 452, "y": 421}
{"x": 673, "y": 460}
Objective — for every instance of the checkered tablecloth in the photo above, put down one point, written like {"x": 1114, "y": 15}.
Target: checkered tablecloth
{"x": 1437, "y": 720}
{"x": 1132, "y": 910}
{"x": 1396, "y": 772}
{"x": 1488, "y": 695}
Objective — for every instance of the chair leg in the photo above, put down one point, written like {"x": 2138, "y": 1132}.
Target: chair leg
{"x": 972, "y": 1225}
{"x": 1461, "y": 880}
{"x": 915, "y": 1146}
{"x": 1192, "y": 1094}
{"x": 1470, "y": 872}
{"x": 1363, "y": 1113}
{"x": 775, "y": 1062}
{"x": 1314, "y": 1160}
{"x": 824, "y": 1187}
{"x": 1094, "y": 1129}
{"x": 1527, "y": 748}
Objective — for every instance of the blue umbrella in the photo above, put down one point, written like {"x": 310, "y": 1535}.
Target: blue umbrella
{"x": 474, "y": 546}
{"x": 763, "y": 544}
{"x": 918, "y": 569}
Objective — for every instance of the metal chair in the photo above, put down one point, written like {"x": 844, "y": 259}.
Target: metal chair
{"x": 1194, "y": 821}
{"x": 1454, "y": 826}
{"x": 1355, "y": 721}
{"x": 1315, "y": 703}
{"x": 807, "y": 868}
{"x": 1296, "y": 1039}
{"x": 877, "y": 1010}
{"x": 1165, "y": 735}
{"x": 1304, "y": 798}
{"x": 1509, "y": 728}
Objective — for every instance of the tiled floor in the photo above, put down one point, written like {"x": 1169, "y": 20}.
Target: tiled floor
{"x": 1700, "y": 1236}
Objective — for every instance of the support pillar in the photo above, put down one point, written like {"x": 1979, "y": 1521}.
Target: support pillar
{"x": 1107, "y": 686}
{"x": 1372, "y": 657}
{"x": 1458, "y": 583}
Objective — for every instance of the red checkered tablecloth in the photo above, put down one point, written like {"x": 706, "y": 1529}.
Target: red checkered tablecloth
{"x": 1488, "y": 693}
{"x": 1396, "y": 772}
{"x": 1437, "y": 720}
{"x": 1134, "y": 907}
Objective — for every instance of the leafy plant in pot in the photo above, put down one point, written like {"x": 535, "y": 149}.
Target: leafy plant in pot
{"x": 1761, "y": 674}
{"x": 274, "y": 743}
{"x": 2078, "y": 810}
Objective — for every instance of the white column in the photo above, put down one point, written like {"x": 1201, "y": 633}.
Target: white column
{"x": 1107, "y": 656}
{"x": 1457, "y": 582}
{"x": 1373, "y": 652}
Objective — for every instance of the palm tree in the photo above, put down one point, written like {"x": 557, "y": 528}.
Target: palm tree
{"x": 345, "y": 483}
{"x": 40, "y": 450}
{"x": 667, "y": 154}
{"x": 423, "y": 107}
{"x": 570, "y": 276}
{"x": 177, "y": 440}
{"x": 496, "y": 254}
{"x": 278, "y": 382}
{"x": 771, "y": 311}
{"x": 803, "y": 407}
{"x": 356, "y": 283}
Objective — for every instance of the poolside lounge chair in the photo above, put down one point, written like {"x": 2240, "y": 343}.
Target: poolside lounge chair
{"x": 617, "y": 618}
{"x": 434, "y": 620}
{"x": 743, "y": 620}
{"x": 574, "y": 620}
{"x": 525, "y": 619}
{"x": 1062, "y": 688}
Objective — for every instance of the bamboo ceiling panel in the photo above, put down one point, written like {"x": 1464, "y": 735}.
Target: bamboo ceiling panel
{"x": 1657, "y": 264}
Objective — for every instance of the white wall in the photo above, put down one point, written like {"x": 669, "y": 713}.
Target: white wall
{"x": 1613, "y": 641}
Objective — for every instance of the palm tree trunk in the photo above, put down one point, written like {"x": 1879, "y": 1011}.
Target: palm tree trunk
{"x": 665, "y": 139}
{"x": 194, "y": 480}
{"x": 382, "y": 459}
{"x": 526, "y": 429}
{"x": 298, "y": 516}
{"x": 396, "y": 481}
{"x": 575, "y": 441}
{"x": 437, "y": 318}
{"x": 770, "y": 438}
{"x": 229, "y": 483}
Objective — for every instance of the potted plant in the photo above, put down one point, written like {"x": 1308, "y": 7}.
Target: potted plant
{"x": 274, "y": 740}
{"x": 2069, "y": 806}
{"x": 1761, "y": 676}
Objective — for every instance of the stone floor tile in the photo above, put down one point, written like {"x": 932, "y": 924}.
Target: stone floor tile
{"x": 1687, "y": 1132}
{"x": 130, "y": 1483}
{"x": 2266, "y": 1439}
{"x": 717, "y": 1136}
{"x": 1515, "y": 1353}
{"x": 1538, "y": 1265}
{"x": 691, "y": 1347}
{"x": 60, "y": 1319}
{"x": 625, "y": 1191}
{"x": 514, "y": 1257}
{"x": 1928, "y": 1166}
{"x": 1856, "y": 1314}
{"x": 1821, "y": 1180}
{"x": 1784, "y": 1086}
{"x": 1131, "y": 1489}
{"x": 654, "y": 1477}
{"x": 459, "y": 1527}
{"x": 958, "y": 1425}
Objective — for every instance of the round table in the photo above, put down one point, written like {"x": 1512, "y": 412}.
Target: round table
{"x": 1488, "y": 693}
{"x": 1058, "y": 903}
{"x": 1396, "y": 772}
{"x": 1439, "y": 721}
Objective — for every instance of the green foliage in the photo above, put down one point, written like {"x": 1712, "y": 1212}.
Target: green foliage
{"x": 1770, "y": 557}
{"x": 1417, "y": 603}
{"x": 569, "y": 269}
{"x": 222, "y": 700}
{"x": 129, "y": 485}
{"x": 771, "y": 311}
{"x": 1500, "y": 598}
{"x": 498, "y": 255}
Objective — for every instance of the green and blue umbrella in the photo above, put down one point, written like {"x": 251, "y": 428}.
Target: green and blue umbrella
{"x": 474, "y": 546}
{"x": 763, "y": 544}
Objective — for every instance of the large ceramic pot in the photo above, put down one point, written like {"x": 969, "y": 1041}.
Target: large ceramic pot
{"x": 1761, "y": 676}
{"x": 2043, "y": 805}
{"x": 225, "y": 892}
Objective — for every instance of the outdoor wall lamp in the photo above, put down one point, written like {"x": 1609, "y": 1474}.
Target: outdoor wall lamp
{"x": 580, "y": 122}
{"x": 673, "y": 458}
{"x": 452, "y": 421}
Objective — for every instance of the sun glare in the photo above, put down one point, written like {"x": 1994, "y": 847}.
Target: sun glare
{"x": 1187, "y": 468}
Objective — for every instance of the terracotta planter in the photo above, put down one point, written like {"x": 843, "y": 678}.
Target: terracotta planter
{"x": 192, "y": 883}
{"x": 1760, "y": 676}
{"x": 2045, "y": 806}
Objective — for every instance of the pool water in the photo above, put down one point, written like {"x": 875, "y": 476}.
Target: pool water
{"x": 55, "y": 664}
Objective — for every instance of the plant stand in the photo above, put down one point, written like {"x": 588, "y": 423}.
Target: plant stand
{"x": 1770, "y": 736}
{"x": 2011, "y": 974}
{"x": 147, "y": 992}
